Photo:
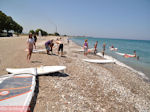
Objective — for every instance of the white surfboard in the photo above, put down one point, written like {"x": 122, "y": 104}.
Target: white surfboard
{"x": 16, "y": 92}
{"x": 37, "y": 50}
{"x": 113, "y": 49}
{"x": 126, "y": 55}
{"x": 99, "y": 61}
{"x": 40, "y": 70}
{"x": 82, "y": 50}
{"x": 120, "y": 53}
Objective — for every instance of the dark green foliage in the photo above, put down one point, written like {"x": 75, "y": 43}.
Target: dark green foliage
{"x": 44, "y": 33}
{"x": 56, "y": 34}
{"x": 8, "y": 24}
{"x": 31, "y": 31}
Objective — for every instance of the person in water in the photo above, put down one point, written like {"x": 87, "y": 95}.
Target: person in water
{"x": 85, "y": 46}
{"x": 95, "y": 47}
{"x": 30, "y": 43}
{"x": 132, "y": 56}
{"x": 48, "y": 46}
{"x": 60, "y": 46}
{"x": 112, "y": 46}
{"x": 137, "y": 57}
{"x": 103, "y": 52}
{"x": 35, "y": 40}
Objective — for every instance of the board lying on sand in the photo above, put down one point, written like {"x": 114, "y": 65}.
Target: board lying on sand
{"x": 99, "y": 61}
{"x": 40, "y": 70}
{"x": 82, "y": 50}
{"x": 37, "y": 50}
{"x": 16, "y": 92}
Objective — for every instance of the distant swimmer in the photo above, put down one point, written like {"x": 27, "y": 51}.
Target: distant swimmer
{"x": 85, "y": 47}
{"x": 30, "y": 43}
{"x": 103, "y": 52}
{"x": 132, "y": 56}
{"x": 95, "y": 47}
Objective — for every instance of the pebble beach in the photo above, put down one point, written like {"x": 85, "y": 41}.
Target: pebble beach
{"x": 83, "y": 87}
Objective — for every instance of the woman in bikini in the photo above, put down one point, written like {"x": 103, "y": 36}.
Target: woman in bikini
{"x": 85, "y": 46}
{"x": 30, "y": 43}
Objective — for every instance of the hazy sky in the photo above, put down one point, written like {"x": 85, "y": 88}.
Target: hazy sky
{"x": 99, "y": 18}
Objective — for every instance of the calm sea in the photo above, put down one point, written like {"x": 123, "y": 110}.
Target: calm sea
{"x": 142, "y": 48}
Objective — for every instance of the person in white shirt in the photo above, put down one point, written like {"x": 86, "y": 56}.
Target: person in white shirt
{"x": 30, "y": 43}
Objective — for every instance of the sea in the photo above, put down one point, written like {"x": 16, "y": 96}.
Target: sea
{"x": 126, "y": 46}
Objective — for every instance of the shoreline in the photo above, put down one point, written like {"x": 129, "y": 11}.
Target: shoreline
{"x": 83, "y": 86}
{"x": 140, "y": 73}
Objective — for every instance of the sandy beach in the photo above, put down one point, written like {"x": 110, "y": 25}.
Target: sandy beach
{"x": 83, "y": 87}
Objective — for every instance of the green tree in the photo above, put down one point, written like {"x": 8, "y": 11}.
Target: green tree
{"x": 31, "y": 31}
{"x": 8, "y": 24}
{"x": 3, "y": 18}
{"x": 56, "y": 34}
{"x": 44, "y": 33}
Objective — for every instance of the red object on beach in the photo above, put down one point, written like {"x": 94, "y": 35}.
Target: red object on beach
{"x": 129, "y": 56}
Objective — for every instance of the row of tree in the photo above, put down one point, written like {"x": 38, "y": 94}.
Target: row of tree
{"x": 43, "y": 33}
{"x": 8, "y": 24}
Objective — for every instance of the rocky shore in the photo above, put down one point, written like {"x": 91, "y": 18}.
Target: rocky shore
{"x": 83, "y": 87}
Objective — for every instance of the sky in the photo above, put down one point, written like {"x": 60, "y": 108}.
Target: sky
{"x": 127, "y": 19}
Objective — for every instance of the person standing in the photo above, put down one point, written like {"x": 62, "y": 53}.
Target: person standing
{"x": 95, "y": 47}
{"x": 60, "y": 46}
{"x": 85, "y": 46}
{"x": 68, "y": 40}
{"x": 103, "y": 52}
{"x": 35, "y": 39}
{"x": 30, "y": 43}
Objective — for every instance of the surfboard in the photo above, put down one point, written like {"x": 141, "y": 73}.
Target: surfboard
{"x": 120, "y": 53}
{"x": 82, "y": 50}
{"x": 99, "y": 61}
{"x": 37, "y": 50}
{"x": 40, "y": 70}
{"x": 125, "y": 55}
{"x": 16, "y": 91}
{"x": 113, "y": 49}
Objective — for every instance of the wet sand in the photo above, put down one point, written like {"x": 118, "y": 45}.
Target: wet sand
{"x": 83, "y": 86}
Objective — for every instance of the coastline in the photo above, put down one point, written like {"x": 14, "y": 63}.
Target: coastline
{"x": 83, "y": 86}
{"x": 144, "y": 73}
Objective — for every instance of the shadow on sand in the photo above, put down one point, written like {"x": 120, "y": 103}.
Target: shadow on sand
{"x": 36, "y": 62}
{"x": 36, "y": 91}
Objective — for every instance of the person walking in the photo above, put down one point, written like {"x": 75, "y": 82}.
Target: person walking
{"x": 30, "y": 43}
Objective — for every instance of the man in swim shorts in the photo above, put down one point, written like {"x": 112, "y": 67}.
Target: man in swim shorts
{"x": 95, "y": 47}
{"x": 103, "y": 52}
{"x": 60, "y": 47}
